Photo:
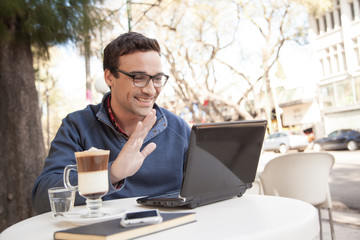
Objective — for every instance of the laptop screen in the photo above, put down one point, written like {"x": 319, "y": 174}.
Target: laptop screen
{"x": 222, "y": 158}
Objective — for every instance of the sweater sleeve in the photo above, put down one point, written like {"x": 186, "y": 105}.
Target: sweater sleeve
{"x": 61, "y": 154}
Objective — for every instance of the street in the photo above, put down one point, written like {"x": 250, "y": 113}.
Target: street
{"x": 344, "y": 177}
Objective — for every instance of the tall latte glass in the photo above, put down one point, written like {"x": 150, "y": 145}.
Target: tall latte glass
{"x": 92, "y": 168}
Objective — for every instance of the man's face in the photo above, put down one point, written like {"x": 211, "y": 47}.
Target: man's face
{"x": 130, "y": 101}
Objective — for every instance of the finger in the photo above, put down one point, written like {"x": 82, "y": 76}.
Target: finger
{"x": 148, "y": 149}
{"x": 136, "y": 139}
{"x": 150, "y": 120}
{"x": 142, "y": 128}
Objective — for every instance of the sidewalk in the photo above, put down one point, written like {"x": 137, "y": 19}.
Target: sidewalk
{"x": 346, "y": 223}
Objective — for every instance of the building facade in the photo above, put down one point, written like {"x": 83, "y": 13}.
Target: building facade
{"x": 335, "y": 37}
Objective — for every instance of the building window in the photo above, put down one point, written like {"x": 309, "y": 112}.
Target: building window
{"x": 341, "y": 93}
{"x": 337, "y": 62}
{"x": 344, "y": 93}
{"x": 322, "y": 67}
{"x": 339, "y": 14}
{"x": 343, "y": 57}
{"x": 327, "y": 96}
{"x": 328, "y": 63}
{"x": 357, "y": 89}
{"x": 332, "y": 22}
{"x": 356, "y": 50}
{"x": 333, "y": 60}
{"x": 352, "y": 10}
{"x": 318, "y": 26}
{"x": 325, "y": 62}
{"x": 325, "y": 24}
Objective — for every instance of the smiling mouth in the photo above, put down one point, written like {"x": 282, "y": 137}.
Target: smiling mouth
{"x": 144, "y": 100}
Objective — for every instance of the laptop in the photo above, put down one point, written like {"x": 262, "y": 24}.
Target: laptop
{"x": 221, "y": 163}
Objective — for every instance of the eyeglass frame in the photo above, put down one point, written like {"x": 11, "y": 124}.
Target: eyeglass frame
{"x": 143, "y": 74}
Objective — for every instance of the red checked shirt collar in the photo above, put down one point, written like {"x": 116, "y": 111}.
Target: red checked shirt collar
{"x": 117, "y": 185}
{"x": 112, "y": 118}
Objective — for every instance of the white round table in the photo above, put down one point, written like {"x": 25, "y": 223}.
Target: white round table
{"x": 248, "y": 217}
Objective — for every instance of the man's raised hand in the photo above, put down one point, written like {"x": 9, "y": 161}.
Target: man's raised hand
{"x": 130, "y": 158}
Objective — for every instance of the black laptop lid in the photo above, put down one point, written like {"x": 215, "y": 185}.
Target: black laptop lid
{"x": 222, "y": 158}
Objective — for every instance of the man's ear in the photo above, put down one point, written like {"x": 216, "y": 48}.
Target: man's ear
{"x": 108, "y": 77}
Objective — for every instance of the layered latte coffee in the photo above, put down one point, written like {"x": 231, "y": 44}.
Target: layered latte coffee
{"x": 92, "y": 167}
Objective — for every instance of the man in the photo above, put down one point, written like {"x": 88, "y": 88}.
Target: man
{"x": 127, "y": 122}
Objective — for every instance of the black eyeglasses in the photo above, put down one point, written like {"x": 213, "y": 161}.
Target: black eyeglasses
{"x": 143, "y": 79}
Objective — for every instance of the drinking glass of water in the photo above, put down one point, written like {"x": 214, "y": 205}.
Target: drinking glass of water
{"x": 61, "y": 200}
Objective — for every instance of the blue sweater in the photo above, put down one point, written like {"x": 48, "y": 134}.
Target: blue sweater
{"x": 161, "y": 171}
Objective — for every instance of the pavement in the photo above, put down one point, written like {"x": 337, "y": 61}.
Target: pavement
{"x": 346, "y": 223}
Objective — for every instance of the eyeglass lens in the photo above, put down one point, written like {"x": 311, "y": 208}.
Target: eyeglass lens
{"x": 143, "y": 80}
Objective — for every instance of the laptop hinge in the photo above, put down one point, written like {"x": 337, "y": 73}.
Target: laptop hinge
{"x": 182, "y": 199}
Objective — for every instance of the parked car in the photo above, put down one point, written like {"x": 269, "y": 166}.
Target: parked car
{"x": 339, "y": 139}
{"x": 284, "y": 141}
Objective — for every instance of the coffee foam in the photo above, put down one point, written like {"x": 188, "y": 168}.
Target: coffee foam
{"x": 92, "y": 152}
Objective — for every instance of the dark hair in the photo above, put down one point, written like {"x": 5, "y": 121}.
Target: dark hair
{"x": 127, "y": 43}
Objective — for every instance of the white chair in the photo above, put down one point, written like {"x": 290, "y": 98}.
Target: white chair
{"x": 256, "y": 188}
{"x": 302, "y": 176}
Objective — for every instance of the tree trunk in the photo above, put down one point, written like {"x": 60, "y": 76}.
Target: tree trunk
{"x": 22, "y": 150}
{"x": 87, "y": 55}
{"x": 270, "y": 103}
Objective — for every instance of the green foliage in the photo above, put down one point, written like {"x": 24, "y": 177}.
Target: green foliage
{"x": 47, "y": 22}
